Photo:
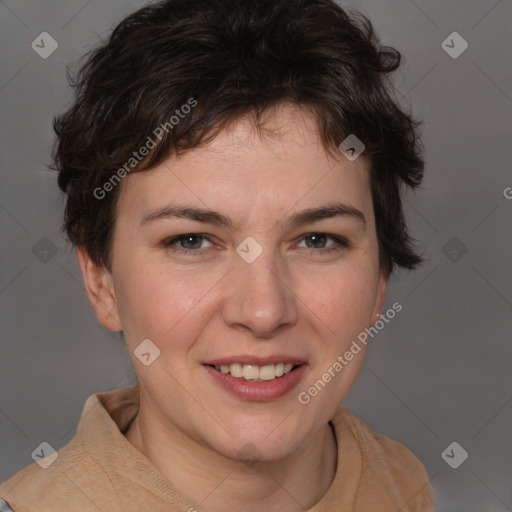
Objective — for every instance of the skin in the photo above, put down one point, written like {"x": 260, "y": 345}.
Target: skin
{"x": 293, "y": 299}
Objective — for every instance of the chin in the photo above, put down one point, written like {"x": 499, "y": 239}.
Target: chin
{"x": 266, "y": 447}
{"x": 251, "y": 453}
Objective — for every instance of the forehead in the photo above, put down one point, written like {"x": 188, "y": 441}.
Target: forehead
{"x": 277, "y": 166}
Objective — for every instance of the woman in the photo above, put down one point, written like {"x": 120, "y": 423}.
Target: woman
{"x": 233, "y": 174}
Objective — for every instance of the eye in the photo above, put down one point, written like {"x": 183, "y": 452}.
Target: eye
{"x": 190, "y": 243}
{"x": 314, "y": 240}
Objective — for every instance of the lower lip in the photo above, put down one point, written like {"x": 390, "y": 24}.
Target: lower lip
{"x": 258, "y": 391}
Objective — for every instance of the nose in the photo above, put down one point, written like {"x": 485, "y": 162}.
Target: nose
{"x": 258, "y": 298}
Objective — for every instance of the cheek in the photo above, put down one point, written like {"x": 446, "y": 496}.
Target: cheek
{"x": 342, "y": 300}
{"x": 155, "y": 302}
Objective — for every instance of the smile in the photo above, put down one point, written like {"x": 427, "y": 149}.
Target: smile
{"x": 257, "y": 382}
{"x": 251, "y": 372}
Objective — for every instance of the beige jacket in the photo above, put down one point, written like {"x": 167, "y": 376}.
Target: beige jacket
{"x": 100, "y": 470}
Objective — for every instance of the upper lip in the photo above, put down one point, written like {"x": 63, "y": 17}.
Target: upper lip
{"x": 255, "y": 360}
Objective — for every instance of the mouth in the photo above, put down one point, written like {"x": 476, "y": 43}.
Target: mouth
{"x": 261, "y": 379}
{"x": 255, "y": 373}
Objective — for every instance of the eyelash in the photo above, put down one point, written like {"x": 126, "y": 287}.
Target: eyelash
{"x": 340, "y": 243}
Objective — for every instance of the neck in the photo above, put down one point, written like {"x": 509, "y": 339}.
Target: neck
{"x": 295, "y": 483}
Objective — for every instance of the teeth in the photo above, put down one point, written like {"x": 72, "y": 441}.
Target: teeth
{"x": 267, "y": 372}
{"x": 236, "y": 370}
{"x": 253, "y": 372}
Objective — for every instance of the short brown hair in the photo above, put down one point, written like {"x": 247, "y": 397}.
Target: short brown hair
{"x": 234, "y": 57}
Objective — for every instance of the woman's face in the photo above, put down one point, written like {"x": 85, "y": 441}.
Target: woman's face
{"x": 256, "y": 288}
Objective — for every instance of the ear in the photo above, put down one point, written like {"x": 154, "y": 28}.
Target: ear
{"x": 380, "y": 298}
{"x": 100, "y": 290}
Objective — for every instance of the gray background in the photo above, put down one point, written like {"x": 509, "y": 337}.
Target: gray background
{"x": 439, "y": 372}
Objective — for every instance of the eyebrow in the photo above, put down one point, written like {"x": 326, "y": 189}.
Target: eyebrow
{"x": 206, "y": 216}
